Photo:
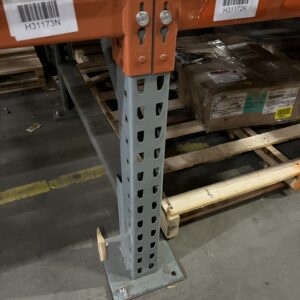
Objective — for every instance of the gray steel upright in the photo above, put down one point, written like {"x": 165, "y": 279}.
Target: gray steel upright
{"x": 138, "y": 260}
{"x": 143, "y": 118}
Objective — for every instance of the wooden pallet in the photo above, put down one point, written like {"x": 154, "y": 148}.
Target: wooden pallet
{"x": 20, "y": 69}
{"x": 279, "y": 172}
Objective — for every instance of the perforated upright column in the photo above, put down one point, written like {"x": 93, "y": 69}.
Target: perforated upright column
{"x": 143, "y": 120}
{"x": 138, "y": 260}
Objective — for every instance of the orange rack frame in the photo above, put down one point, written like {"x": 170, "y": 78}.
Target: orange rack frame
{"x": 116, "y": 19}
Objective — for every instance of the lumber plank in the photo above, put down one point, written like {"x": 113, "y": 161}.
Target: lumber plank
{"x": 18, "y": 87}
{"x": 270, "y": 154}
{"x": 230, "y": 202}
{"x": 175, "y": 104}
{"x": 95, "y": 79}
{"x": 230, "y": 149}
{"x": 19, "y": 65}
{"x": 235, "y": 187}
{"x": 90, "y": 67}
{"x": 106, "y": 110}
{"x": 173, "y": 131}
{"x": 268, "y": 159}
{"x": 20, "y": 69}
{"x": 169, "y": 224}
{"x": 105, "y": 96}
{"x": 17, "y": 52}
{"x": 84, "y": 58}
{"x": 296, "y": 184}
{"x": 184, "y": 128}
{"x": 13, "y": 83}
{"x": 275, "y": 152}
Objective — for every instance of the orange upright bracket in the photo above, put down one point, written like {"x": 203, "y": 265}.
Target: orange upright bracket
{"x": 165, "y": 35}
{"x": 133, "y": 51}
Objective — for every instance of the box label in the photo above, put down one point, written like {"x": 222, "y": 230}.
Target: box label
{"x": 226, "y": 76}
{"x": 228, "y": 105}
{"x": 280, "y": 99}
{"x": 235, "y": 9}
{"x": 31, "y": 19}
{"x": 255, "y": 102}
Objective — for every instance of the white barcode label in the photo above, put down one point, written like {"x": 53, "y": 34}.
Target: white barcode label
{"x": 279, "y": 99}
{"x": 228, "y": 105}
{"x": 32, "y": 19}
{"x": 235, "y": 9}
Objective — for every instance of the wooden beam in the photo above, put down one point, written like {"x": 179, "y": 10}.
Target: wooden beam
{"x": 296, "y": 184}
{"x": 169, "y": 224}
{"x": 230, "y": 149}
{"x": 185, "y": 128}
{"x": 91, "y": 81}
{"x": 229, "y": 202}
{"x": 105, "y": 96}
{"x": 235, "y": 187}
{"x": 270, "y": 154}
{"x": 91, "y": 67}
{"x": 175, "y": 104}
{"x": 106, "y": 110}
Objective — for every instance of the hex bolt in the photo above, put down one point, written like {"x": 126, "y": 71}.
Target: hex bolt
{"x": 122, "y": 292}
{"x": 142, "y": 18}
{"x": 166, "y": 17}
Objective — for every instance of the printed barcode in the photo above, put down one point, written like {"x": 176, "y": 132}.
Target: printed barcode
{"x": 235, "y": 2}
{"x": 38, "y": 11}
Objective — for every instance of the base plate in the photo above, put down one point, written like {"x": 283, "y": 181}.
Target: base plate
{"x": 123, "y": 287}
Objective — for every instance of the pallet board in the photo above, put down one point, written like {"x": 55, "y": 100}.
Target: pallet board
{"x": 226, "y": 150}
{"x": 208, "y": 195}
{"x": 279, "y": 171}
{"x": 20, "y": 69}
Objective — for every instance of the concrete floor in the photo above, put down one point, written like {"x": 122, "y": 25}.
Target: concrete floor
{"x": 47, "y": 243}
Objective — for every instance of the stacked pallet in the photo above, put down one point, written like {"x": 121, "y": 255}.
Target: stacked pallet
{"x": 279, "y": 171}
{"x": 20, "y": 69}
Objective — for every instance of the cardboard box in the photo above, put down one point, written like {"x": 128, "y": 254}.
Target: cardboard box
{"x": 235, "y": 83}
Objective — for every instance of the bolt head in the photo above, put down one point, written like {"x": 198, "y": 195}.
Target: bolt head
{"x": 166, "y": 17}
{"x": 142, "y": 18}
{"x": 163, "y": 57}
{"x": 122, "y": 292}
{"x": 142, "y": 59}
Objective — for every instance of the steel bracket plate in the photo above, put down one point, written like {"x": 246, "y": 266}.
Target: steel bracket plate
{"x": 120, "y": 282}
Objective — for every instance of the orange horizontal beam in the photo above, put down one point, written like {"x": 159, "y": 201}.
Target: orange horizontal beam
{"x": 103, "y": 18}
{"x": 155, "y": 54}
{"x": 200, "y": 13}
{"x": 95, "y": 18}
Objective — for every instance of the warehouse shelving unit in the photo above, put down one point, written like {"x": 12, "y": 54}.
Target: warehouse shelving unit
{"x": 139, "y": 43}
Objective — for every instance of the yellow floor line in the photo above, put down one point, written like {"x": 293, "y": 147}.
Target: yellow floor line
{"x": 24, "y": 191}
{"x": 44, "y": 186}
